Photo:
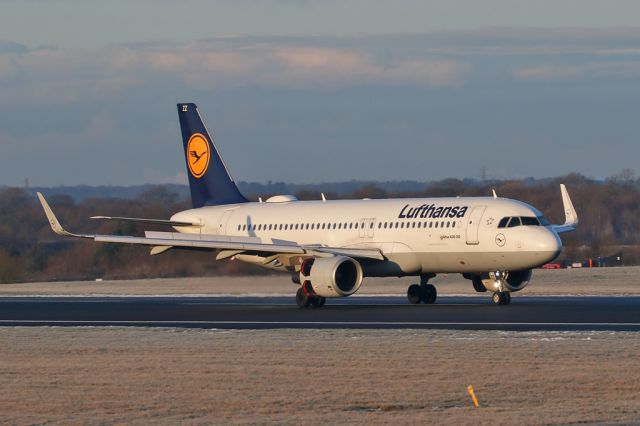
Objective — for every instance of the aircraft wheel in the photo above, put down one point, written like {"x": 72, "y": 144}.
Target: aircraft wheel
{"x": 302, "y": 299}
{"x": 414, "y": 294}
{"x": 318, "y": 301}
{"x": 501, "y": 298}
{"x": 429, "y": 294}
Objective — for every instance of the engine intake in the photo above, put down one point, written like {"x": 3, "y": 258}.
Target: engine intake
{"x": 337, "y": 276}
{"x": 517, "y": 280}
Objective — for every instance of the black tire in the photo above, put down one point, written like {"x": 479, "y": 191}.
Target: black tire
{"x": 318, "y": 301}
{"x": 414, "y": 294}
{"x": 497, "y": 298}
{"x": 302, "y": 299}
{"x": 507, "y": 298}
{"x": 429, "y": 294}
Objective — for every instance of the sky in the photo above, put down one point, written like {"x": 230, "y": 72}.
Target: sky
{"x": 318, "y": 91}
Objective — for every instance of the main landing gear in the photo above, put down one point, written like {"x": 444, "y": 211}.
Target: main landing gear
{"x": 501, "y": 298}
{"x": 424, "y": 292}
{"x": 305, "y": 299}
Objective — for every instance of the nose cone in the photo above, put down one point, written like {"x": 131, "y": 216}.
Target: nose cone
{"x": 548, "y": 244}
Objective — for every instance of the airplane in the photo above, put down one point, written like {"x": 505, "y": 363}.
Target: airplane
{"x": 329, "y": 246}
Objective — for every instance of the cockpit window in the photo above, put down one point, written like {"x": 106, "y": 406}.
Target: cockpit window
{"x": 515, "y": 221}
{"x": 512, "y": 222}
{"x": 530, "y": 221}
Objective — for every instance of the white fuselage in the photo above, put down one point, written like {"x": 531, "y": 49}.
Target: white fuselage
{"x": 416, "y": 235}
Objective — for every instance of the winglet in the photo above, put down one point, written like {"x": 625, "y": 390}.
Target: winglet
{"x": 570, "y": 214}
{"x": 54, "y": 222}
{"x": 571, "y": 217}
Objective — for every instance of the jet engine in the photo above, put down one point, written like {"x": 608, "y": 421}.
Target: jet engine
{"x": 514, "y": 281}
{"x": 517, "y": 280}
{"x": 337, "y": 276}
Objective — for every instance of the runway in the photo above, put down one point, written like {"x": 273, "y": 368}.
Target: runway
{"x": 452, "y": 312}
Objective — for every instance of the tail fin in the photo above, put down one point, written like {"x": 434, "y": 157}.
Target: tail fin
{"x": 209, "y": 180}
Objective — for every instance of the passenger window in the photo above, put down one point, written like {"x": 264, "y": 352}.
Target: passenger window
{"x": 436, "y": 224}
{"x": 306, "y": 226}
{"x": 371, "y": 225}
{"x": 513, "y": 222}
{"x": 503, "y": 222}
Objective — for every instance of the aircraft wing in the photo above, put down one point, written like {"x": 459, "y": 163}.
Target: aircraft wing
{"x": 571, "y": 216}
{"x": 162, "y": 241}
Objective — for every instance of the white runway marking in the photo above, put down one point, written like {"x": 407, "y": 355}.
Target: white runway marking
{"x": 344, "y": 323}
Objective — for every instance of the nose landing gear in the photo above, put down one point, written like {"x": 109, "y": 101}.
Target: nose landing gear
{"x": 501, "y": 298}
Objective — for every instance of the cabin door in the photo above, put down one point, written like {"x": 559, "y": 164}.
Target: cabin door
{"x": 473, "y": 224}
{"x": 366, "y": 227}
{"x": 224, "y": 219}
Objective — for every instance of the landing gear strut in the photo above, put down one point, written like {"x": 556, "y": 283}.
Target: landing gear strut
{"x": 305, "y": 299}
{"x": 424, "y": 292}
{"x": 501, "y": 298}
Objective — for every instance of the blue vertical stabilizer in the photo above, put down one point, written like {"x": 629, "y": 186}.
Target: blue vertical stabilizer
{"x": 209, "y": 179}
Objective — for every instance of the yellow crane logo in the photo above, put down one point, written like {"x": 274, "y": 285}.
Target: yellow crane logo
{"x": 198, "y": 155}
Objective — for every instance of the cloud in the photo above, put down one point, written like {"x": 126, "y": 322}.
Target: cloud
{"x": 67, "y": 75}
{"x": 593, "y": 70}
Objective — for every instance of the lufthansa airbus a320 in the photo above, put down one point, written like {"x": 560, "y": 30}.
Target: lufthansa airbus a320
{"x": 329, "y": 247}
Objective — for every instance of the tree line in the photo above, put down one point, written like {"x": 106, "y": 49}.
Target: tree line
{"x": 609, "y": 213}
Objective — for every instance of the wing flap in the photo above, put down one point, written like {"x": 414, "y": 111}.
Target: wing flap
{"x": 195, "y": 243}
{"x": 358, "y": 253}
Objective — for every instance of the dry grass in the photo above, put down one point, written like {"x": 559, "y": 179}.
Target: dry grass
{"x": 167, "y": 376}
{"x": 605, "y": 281}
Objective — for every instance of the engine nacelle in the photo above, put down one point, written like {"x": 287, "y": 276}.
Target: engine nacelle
{"x": 515, "y": 280}
{"x": 337, "y": 276}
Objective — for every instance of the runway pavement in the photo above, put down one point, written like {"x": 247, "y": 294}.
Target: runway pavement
{"x": 452, "y": 312}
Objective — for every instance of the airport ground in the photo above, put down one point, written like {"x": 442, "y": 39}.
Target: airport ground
{"x": 115, "y": 375}
{"x": 596, "y": 281}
